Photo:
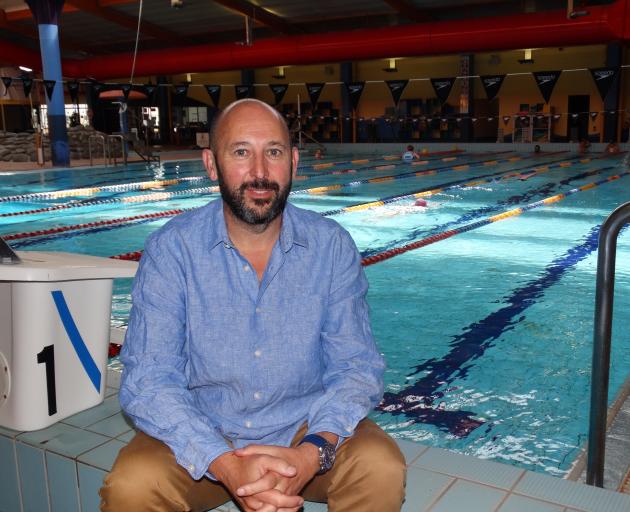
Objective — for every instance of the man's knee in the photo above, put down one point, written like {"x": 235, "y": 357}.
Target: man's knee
{"x": 374, "y": 459}
{"x": 382, "y": 462}
{"x": 141, "y": 479}
{"x": 371, "y": 476}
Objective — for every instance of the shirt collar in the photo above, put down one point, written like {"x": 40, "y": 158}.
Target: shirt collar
{"x": 290, "y": 233}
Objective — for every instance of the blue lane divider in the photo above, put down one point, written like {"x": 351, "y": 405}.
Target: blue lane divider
{"x": 416, "y": 401}
{"x": 77, "y": 341}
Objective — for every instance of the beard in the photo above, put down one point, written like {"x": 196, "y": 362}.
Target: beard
{"x": 266, "y": 210}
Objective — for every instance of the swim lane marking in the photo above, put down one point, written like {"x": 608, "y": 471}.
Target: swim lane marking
{"x": 90, "y": 227}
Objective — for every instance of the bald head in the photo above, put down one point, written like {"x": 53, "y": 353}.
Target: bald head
{"x": 254, "y": 108}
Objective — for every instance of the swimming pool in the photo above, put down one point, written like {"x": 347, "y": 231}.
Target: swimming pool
{"x": 486, "y": 325}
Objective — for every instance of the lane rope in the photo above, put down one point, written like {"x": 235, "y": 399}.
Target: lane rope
{"x": 88, "y": 191}
{"x": 361, "y": 206}
{"x": 160, "y": 196}
{"x": 157, "y": 196}
{"x": 390, "y": 253}
{"x": 385, "y": 255}
{"x": 391, "y": 177}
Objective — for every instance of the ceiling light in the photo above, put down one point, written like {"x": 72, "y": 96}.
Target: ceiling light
{"x": 391, "y": 67}
{"x": 527, "y": 58}
{"x": 24, "y": 68}
{"x": 280, "y": 75}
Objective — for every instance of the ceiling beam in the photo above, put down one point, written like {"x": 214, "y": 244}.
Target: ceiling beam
{"x": 259, "y": 14}
{"x": 26, "y": 14}
{"x": 17, "y": 28}
{"x": 130, "y": 22}
{"x": 32, "y": 33}
{"x": 408, "y": 10}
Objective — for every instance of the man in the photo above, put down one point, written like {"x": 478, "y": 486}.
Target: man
{"x": 249, "y": 360}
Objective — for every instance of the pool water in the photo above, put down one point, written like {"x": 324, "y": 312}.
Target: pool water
{"x": 487, "y": 332}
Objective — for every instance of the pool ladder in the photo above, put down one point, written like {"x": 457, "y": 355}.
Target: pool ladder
{"x": 108, "y": 145}
{"x": 604, "y": 294}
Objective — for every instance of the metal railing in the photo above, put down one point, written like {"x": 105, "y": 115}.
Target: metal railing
{"x": 111, "y": 140}
{"x": 302, "y": 133}
{"x": 604, "y": 295}
{"x": 100, "y": 138}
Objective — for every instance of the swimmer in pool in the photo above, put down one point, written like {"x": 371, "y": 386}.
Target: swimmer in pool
{"x": 612, "y": 148}
{"x": 410, "y": 154}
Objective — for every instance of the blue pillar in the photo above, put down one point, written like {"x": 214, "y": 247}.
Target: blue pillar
{"x": 51, "y": 62}
{"x": 46, "y": 14}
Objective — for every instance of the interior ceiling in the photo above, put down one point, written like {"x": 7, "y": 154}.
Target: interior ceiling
{"x": 90, "y": 28}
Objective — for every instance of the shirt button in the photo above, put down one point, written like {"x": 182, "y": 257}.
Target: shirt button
{"x": 191, "y": 468}
{"x": 248, "y": 424}
{"x": 258, "y": 310}
{"x": 257, "y": 395}
{"x": 348, "y": 429}
{"x": 226, "y": 245}
{"x": 246, "y": 268}
{"x": 258, "y": 353}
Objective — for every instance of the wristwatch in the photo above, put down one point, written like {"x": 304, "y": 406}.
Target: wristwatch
{"x": 326, "y": 451}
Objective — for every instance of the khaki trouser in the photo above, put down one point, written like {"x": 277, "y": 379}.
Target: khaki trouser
{"x": 368, "y": 475}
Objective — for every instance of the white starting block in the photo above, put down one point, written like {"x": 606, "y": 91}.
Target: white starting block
{"x": 54, "y": 335}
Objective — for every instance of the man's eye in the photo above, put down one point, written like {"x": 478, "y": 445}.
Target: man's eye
{"x": 240, "y": 152}
{"x": 275, "y": 152}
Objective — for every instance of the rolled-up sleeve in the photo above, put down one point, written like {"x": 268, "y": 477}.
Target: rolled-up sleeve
{"x": 154, "y": 388}
{"x": 353, "y": 366}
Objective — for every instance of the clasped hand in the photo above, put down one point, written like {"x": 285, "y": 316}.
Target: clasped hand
{"x": 266, "y": 478}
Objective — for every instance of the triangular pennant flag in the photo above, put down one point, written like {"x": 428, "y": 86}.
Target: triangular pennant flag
{"x": 214, "y": 91}
{"x": 181, "y": 89}
{"x": 354, "y": 91}
{"x": 492, "y": 84}
{"x": 574, "y": 116}
{"x": 546, "y": 81}
{"x": 244, "y": 91}
{"x": 314, "y": 90}
{"x": 604, "y": 78}
{"x": 396, "y": 87}
{"x": 73, "y": 90}
{"x": 556, "y": 117}
{"x": 126, "y": 89}
{"x": 49, "y": 85}
{"x": 6, "y": 80}
{"x": 506, "y": 119}
{"x": 594, "y": 115}
{"x": 491, "y": 119}
{"x": 278, "y": 92}
{"x": 442, "y": 87}
{"x": 27, "y": 84}
{"x": 473, "y": 119}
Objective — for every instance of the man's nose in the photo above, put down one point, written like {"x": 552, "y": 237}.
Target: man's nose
{"x": 259, "y": 168}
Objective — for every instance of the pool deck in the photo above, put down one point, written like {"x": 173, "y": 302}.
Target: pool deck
{"x": 61, "y": 468}
{"x": 165, "y": 156}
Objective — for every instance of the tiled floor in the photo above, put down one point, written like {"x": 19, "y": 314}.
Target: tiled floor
{"x": 60, "y": 469}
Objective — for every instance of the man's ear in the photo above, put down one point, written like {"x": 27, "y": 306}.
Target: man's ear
{"x": 208, "y": 161}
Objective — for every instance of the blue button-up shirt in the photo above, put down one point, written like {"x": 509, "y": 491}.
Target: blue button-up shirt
{"x": 213, "y": 354}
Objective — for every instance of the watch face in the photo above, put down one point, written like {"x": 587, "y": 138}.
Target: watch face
{"x": 326, "y": 457}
